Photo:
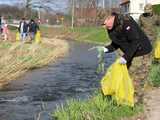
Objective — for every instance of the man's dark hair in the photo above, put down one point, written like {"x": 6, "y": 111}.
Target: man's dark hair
{"x": 32, "y": 20}
{"x": 114, "y": 13}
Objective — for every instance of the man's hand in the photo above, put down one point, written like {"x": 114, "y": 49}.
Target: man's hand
{"x": 122, "y": 60}
{"x": 99, "y": 48}
{"x": 105, "y": 49}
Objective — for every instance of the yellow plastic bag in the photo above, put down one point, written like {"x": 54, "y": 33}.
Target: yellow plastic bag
{"x": 157, "y": 50}
{"x": 38, "y": 37}
{"x": 118, "y": 84}
{"x": 17, "y": 36}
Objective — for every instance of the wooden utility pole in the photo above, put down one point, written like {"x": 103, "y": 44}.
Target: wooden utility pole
{"x": 103, "y": 4}
{"x": 39, "y": 13}
{"x": 110, "y": 5}
{"x": 27, "y": 5}
{"x": 73, "y": 10}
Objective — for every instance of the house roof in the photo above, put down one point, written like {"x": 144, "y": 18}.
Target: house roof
{"x": 124, "y": 2}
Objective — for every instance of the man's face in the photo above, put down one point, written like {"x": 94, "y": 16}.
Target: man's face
{"x": 109, "y": 22}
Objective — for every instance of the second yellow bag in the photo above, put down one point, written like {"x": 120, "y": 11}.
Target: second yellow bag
{"x": 118, "y": 84}
{"x": 17, "y": 36}
{"x": 157, "y": 50}
{"x": 38, "y": 37}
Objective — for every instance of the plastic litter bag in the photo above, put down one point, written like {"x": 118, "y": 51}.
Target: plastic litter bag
{"x": 118, "y": 84}
{"x": 38, "y": 37}
{"x": 100, "y": 57}
{"x": 17, "y": 36}
{"x": 157, "y": 50}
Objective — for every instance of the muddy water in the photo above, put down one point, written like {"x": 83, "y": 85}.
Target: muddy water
{"x": 43, "y": 89}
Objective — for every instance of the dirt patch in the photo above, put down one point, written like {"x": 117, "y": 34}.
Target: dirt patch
{"x": 152, "y": 104}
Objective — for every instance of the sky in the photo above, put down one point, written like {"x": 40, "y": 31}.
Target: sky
{"x": 60, "y": 5}
{"x": 8, "y": 1}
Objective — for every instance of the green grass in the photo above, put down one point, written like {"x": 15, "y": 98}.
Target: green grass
{"x": 95, "y": 108}
{"x": 51, "y": 32}
{"x": 154, "y": 75}
{"x": 156, "y": 9}
{"x": 5, "y": 45}
{"x": 91, "y": 34}
{"x": 96, "y": 35}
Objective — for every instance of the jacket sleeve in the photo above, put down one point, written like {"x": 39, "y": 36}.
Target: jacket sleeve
{"x": 37, "y": 26}
{"x": 132, "y": 33}
{"x": 112, "y": 47}
{"x": 19, "y": 27}
{"x": 128, "y": 55}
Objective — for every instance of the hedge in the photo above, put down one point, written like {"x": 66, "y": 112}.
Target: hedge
{"x": 156, "y": 9}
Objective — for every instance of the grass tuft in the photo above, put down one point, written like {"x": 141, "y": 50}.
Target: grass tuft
{"x": 17, "y": 58}
{"x": 154, "y": 75}
{"x": 91, "y": 34}
{"x": 96, "y": 107}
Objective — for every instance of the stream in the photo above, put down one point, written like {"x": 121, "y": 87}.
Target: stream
{"x": 73, "y": 76}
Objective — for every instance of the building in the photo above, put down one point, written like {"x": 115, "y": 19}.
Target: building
{"x": 86, "y": 15}
{"x": 135, "y": 7}
{"x": 154, "y": 2}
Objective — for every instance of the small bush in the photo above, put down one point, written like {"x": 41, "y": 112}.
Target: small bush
{"x": 156, "y": 9}
{"x": 154, "y": 75}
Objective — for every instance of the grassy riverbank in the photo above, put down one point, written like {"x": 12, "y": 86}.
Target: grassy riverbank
{"x": 17, "y": 58}
{"x": 96, "y": 107}
{"x": 96, "y": 35}
{"x": 154, "y": 75}
{"x": 90, "y": 34}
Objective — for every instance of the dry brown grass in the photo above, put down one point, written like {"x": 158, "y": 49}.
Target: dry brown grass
{"x": 17, "y": 58}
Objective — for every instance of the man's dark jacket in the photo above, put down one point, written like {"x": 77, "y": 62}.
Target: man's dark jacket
{"x": 33, "y": 27}
{"x": 127, "y": 35}
{"x": 25, "y": 27}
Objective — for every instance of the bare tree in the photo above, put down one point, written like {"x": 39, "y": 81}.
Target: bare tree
{"x": 86, "y": 3}
{"x": 39, "y": 4}
{"x": 7, "y": 12}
